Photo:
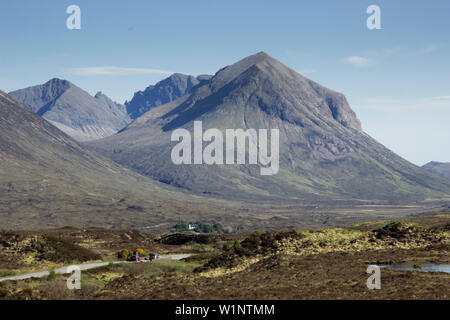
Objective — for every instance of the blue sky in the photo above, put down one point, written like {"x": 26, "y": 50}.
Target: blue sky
{"x": 397, "y": 79}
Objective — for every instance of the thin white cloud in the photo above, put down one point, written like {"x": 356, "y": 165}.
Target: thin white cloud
{"x": 428, "y": 49}
{"x": 358, "y": 61}
{"x": 388, "y": 53}
{"x": 442, "y": 102}
{"x": 382, "y": 53}
{"x": 115, "y": 71}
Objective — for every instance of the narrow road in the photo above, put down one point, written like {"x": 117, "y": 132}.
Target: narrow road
{"x": 87, "y": 266}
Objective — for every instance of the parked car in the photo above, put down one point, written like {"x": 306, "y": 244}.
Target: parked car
{"x": 153, "y": 256}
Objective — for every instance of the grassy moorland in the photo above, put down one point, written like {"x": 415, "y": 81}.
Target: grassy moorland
{"x": 329, "y": 263}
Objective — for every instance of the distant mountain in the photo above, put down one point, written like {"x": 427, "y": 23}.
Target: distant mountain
{"x": 48, "y": 180}
{"x": 441, "y": 168}
{"x": 165, "y": 91}
{"x": 325, "y": 156}
{"x": 73, "y": 110}
{"x": 117, "y": 109}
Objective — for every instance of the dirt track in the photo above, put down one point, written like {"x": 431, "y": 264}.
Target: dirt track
{"x": 86, "y": 266}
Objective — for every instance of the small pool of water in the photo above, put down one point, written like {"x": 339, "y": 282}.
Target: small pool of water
{"x": 421, "y": 268}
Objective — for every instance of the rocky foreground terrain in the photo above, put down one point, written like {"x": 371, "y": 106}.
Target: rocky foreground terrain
{"x": 320, "y": 264}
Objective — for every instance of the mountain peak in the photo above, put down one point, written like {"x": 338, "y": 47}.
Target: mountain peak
{"x": 258, "y": 57}
{"x": 165, "y": 91}
{"x": 57, "y": 80}
{"x": 74, "y": 110}
{"x": 284, "y": 92}
{"x": 59, "y": 83}
{"x": 99, "y": 95}
{"x": 261, "y": 60}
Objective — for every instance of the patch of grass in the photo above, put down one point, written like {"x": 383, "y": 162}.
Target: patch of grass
{"x": 160, "y": 267}
{"x": 55, "y": 290}
{"x": 114, "y": 266}
{"x": 6, "y": 284}
{"x": 306, "y": 233}
{"x": 89, "y": 286}
{"x": 142, "y": 235}
{"x": 198, "y": 247}
{"x": 176, "y": 266}
{"x": 227, "y": 245}
{"x": 333, "y": 236}
{"x": 53, "y": 275}
{"x": 7, "y": 273}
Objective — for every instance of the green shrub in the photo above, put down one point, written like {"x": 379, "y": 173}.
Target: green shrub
{"x": 123, "y": 253}
{"x": 227, "y": 245}
{"x": 207, "y": 228}
{"x": 53, "y": 275}
{"x": 257, "y": 233}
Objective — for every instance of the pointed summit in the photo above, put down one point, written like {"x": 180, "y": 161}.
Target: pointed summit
{"x": 275, "y": 89}
{"x": 73, "y": 110}
{"x": 255, "y": 59}
{"x": 224, "y": 75}
{"x": 36, "y": 97}
{"x": 58, "y": 81}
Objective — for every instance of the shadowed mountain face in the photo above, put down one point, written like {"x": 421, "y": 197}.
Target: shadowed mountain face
{"x": 165, "y": 91}
{"x": 48, "y": 180}
{"x": 73, "y": 110}
{"x": 324, "y": 153}
{"x": 440, "y": 168}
